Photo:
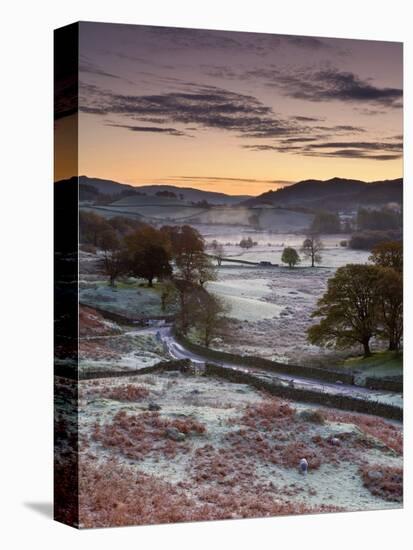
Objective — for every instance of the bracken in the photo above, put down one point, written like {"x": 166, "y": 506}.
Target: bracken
{"x": 388, "y": 484}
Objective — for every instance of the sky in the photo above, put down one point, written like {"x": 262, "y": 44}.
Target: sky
{"x": 239, "y": 113}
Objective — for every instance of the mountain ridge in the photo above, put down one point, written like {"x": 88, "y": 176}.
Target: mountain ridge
{"x": 313, "y": 193}
{"x": 309, "y": 193}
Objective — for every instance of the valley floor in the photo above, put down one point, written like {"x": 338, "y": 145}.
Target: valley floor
{"x": 177, "y": 447}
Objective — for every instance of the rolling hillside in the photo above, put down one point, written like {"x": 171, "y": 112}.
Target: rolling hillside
{"x": 189, "y": 194}
{"x": 336, "y": 193}
{"x": 290, "y": 209}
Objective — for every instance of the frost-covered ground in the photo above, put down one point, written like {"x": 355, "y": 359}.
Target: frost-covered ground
{"x": 173, "y": 447}
{"x": 130, "y": 297}
{"x": 104, "y": 345}
{"x": 271, "y": 306}
{"x": 271, "y": 310}
{"x": 270, "y": 247}
{"x": 129, "y": 300}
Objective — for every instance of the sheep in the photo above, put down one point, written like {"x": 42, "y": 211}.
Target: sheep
{"x": 303, "y": 466}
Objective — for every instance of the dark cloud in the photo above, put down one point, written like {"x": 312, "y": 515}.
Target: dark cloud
{"x": 299, "y": 139}
{"x": 261, "y": 147}
{"x": 220, "y": 179}
{"x": 173, "y": 113}
{"x": 364, "y": 145}
{"x": 150, "y": 129}
{"x": 329, "y": 85}
{"x": 306, "y": 119}
{"x": 204, "y": 106}
{"x": 340, "y": 128}
{"x": 350, "y": 149}
{"x": 354, "y": 154}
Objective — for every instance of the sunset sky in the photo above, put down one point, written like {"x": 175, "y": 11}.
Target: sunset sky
{"x": 236, "y": 112}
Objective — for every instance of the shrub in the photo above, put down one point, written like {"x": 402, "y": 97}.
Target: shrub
{"x": 366, "y": 240}
{"x": 129, "y": 392}
{"x": 316, "y": 417}
{"x": 383, "y": 481}
{"x": 139, "y": 435}
{"x": 112, "y": 495}
{"x": 115, "y": 495}
{"x": 266, "y": 413}
{"x": 389, "y": 434}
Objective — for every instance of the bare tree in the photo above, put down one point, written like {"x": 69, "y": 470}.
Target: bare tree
{"x": 312, "y": 247}
{"x": 219, "y": 253}
{"x": 113, "y": 261}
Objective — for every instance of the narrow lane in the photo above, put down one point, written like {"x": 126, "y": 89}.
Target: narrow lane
{"x": 177, "y": 351}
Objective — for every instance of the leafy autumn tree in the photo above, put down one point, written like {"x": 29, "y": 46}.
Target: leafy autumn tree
{"x": 390, "y": 306}
{"x": 388, "y": 254}
{"x": 290, "y": 256}
{"x": 188, "y": 250}
{"x": 208, "y": 314}
{"x": 151, "y": 262}
{"x": 348, "y": 309}
{"x": 184, "y": 242}
{"x": 312, "y": 247}
{"x": 145, "y": 236}
{"x": 114, "y": 256}
{"x": 148, "y": 254}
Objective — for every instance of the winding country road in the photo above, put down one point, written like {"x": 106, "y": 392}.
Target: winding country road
{"x": 177, "y": 351}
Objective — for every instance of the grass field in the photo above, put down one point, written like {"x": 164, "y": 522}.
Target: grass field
{"x": 379, "y": 365}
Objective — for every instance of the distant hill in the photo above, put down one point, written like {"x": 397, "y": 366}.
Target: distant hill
{"x": 193, "y": 195}
{"x": 335, "y": 193}
{"x": 106, "y": 187}
{"x": 188, "y": 194}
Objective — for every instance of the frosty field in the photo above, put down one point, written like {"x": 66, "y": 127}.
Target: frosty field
{"x": 171, "y": 446}
{"x": 236, "y": 454}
